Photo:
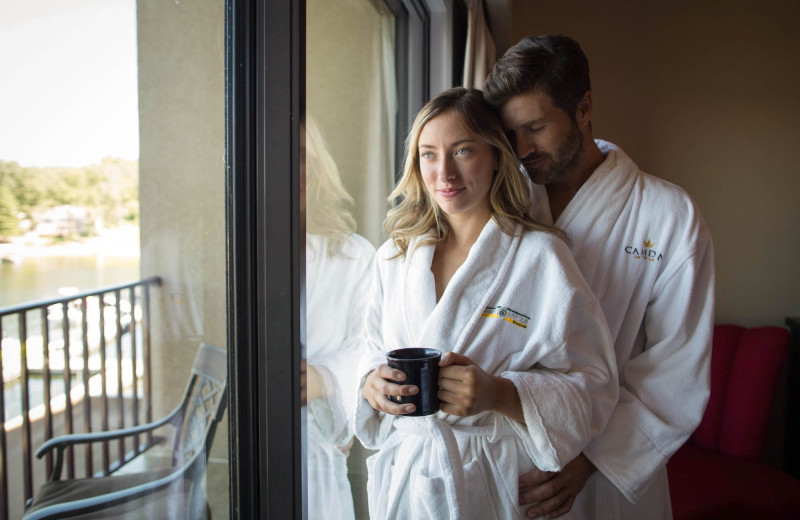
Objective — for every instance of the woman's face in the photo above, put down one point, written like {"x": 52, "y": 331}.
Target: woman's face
{"x": 457, "y": 168}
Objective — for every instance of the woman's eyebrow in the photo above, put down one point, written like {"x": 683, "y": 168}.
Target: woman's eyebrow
{"x": 457, "y": 143}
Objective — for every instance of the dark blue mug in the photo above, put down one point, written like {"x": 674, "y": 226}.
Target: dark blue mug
{"x": 421, "y": 366}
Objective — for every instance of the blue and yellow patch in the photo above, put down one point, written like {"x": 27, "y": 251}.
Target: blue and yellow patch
{"x": 506, "y": 314}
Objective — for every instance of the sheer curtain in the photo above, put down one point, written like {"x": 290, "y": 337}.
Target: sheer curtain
{"x": 481, "y": 52}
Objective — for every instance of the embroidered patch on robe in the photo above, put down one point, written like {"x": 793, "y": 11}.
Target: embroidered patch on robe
{"x": 506, "y": 314}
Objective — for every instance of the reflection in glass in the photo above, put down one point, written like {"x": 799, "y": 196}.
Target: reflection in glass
{"x": 351, "y": 92}
{"x": 337, "y": 262}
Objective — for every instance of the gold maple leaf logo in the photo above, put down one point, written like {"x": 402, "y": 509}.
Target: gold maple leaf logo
{"x": 648, "y": 244}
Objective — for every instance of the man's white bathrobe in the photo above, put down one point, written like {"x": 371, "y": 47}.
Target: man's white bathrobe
{"x": 647, "y": 253}
{"x": 337, "y": 288}
{"x": 519, "y": 308}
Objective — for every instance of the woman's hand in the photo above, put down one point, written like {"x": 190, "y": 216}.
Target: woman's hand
{"x": 377, "y": 388}
{"x": 311, "y": 385}
{"x": 466, "y": 389}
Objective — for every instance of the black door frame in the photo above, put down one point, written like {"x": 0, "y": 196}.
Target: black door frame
{"x": 264, "y": 96}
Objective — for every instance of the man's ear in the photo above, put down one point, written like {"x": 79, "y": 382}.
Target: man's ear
{"x": 583, "y": 114}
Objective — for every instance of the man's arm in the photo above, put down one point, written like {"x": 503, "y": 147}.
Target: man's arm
{"x": 663, "y": 394}
{"x": 666, "y": 387}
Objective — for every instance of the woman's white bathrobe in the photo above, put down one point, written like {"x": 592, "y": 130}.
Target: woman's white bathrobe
{"x": 644, "y": 248}
{"x": 519, "y": 308}
{"x": 337, "y": 288}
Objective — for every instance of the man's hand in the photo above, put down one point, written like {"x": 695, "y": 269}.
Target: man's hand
{"x": 554, "y": 493}
{"x": 378, "y": 386}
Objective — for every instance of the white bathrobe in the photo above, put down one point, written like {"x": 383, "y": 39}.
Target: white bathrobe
{"x": 337, "y": 289}
{"x": 644, "y": 248}
{"x": 519, "y": 308}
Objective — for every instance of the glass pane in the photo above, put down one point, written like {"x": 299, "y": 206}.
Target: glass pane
{"x": 182, "y": 191}
{"x": 351, "y": 111}
{"x": 112, "y": 239}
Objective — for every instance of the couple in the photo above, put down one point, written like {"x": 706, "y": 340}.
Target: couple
{"x": 555, "y": 404}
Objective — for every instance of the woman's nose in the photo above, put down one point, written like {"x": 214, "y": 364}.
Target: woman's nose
{"x": 447, "y": 170}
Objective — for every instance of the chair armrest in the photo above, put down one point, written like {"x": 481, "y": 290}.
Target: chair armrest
{"x": 63, "y": 441}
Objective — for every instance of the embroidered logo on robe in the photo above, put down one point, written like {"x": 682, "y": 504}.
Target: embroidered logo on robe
{"x": 506, "y": 314}
{"x": 647, "y": 253}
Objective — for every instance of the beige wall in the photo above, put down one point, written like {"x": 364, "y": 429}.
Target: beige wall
{"x": 348, "y": 97}
{"x": 182, "y": 196}
{"x": 705, "y": 95}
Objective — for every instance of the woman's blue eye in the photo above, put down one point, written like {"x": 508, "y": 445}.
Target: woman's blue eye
{"x": 426, "y": 155}
{"x": 462, "y": 151}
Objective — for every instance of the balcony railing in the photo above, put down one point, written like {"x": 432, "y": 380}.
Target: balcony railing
{"x": 80, "y": 363}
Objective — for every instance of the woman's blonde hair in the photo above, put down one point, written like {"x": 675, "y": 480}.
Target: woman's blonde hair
{"x": 327, "y": 201}
{"x": 417, "y": 214}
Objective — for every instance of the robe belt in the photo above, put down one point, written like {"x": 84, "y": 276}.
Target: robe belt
{"x": 444, "y": 437}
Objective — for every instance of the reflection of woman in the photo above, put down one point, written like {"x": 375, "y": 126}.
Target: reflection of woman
{"x": 528, "y": 373}
{"x": 336, "y": 263}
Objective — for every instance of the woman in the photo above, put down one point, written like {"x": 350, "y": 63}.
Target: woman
{"x": 528, "y": 372}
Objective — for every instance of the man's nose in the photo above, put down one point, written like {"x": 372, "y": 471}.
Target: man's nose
{"x": 522, "y": 145}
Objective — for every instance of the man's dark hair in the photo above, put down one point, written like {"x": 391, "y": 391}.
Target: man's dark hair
{"x": 553, "y": 64}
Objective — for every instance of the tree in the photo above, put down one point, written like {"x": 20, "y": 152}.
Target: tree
{"x": 9, "y": 223}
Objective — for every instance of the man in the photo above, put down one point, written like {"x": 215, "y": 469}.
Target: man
{"x": 647, "y": 253}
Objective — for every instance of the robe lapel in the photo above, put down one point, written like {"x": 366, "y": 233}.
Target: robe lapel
{"x": 602, "y": 197}
{"x": 446, "y": 325}
{"x": 419, "y": 294}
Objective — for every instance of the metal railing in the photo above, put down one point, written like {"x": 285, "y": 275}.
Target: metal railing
{"x": 80, "y": 363}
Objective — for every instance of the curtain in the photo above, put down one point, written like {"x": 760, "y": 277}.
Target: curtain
{"x": 481, "y": 52}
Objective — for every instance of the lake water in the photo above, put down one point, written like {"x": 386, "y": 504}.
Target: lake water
{"x": 41, "y": 277}
{"x": 36, "y": 278}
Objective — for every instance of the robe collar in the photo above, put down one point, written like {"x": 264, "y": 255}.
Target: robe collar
{"x": 447, "y": 324}
{"x": 601, "y": 198}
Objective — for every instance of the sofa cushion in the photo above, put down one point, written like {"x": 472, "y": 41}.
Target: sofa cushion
{"x": 725, "y": 342}
{"x": 752, "y": 384}
{"x": 708, "y": 486}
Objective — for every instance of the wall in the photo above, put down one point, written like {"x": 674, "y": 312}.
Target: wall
{"x": 704, "y": 94}
{"x": 348, "y": 45}
{"x": 182, "y": 197}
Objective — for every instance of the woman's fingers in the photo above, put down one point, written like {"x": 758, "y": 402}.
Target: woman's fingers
{"x": 386, "y": 405}
{"x": 379, "y": 386}
{"x": 465, "y": 389}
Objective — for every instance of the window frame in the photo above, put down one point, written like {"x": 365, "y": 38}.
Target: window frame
{"x": 264, "y": 89}
{"x": 265, "y": 98}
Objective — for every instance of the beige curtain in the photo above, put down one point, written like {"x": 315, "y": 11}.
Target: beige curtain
{"x": 481, "y": 52}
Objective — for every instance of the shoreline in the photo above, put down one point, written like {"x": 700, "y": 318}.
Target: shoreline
{"x": 113, "y": 242}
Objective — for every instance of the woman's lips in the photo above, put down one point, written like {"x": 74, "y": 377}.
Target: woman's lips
{"x": 450, "y": 192}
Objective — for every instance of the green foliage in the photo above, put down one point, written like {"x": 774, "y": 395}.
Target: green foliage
{"x": 109, "y": 191}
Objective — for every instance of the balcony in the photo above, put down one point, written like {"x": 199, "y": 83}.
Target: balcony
{"x": 75, "y": 364}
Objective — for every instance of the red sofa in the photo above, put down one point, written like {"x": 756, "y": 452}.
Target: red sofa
{"x": 718, "y": 473}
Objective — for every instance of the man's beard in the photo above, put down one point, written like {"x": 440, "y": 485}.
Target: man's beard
{"x": 567, "y": 156}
